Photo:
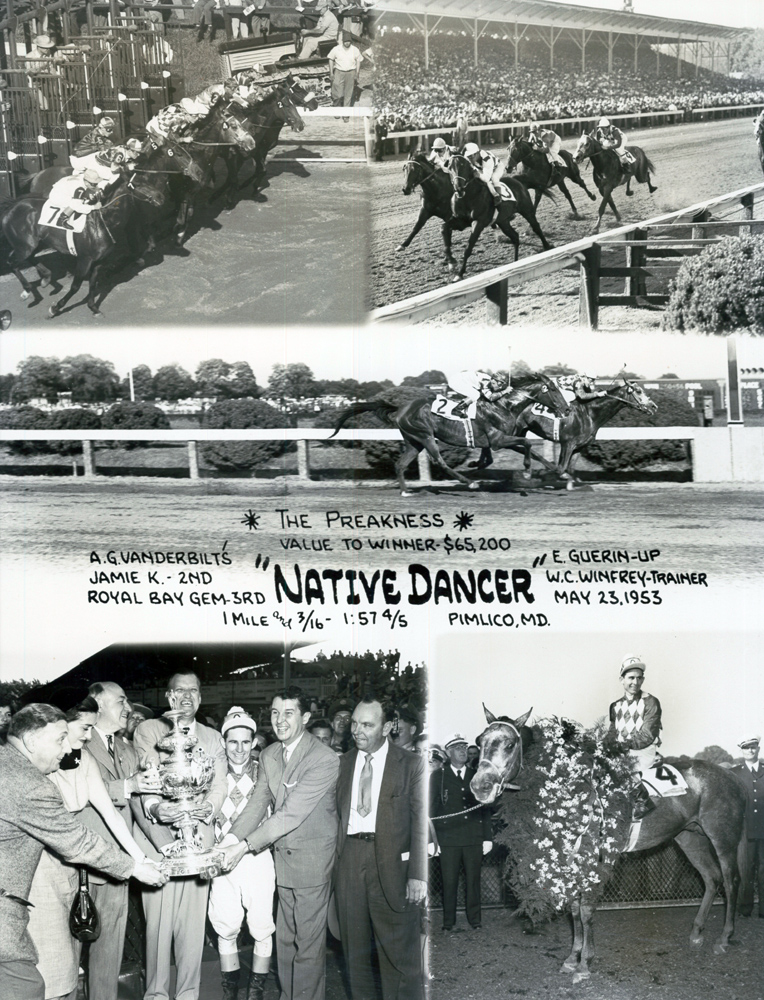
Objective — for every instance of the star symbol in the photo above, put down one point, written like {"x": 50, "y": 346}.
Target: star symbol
{"x": 463, "y": 520}
{"x": 252, "y": 520}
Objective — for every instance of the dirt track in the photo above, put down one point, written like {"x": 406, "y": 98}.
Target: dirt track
{"x": 641, "y": 955}
{"x": 59, "y": 519}
{"x": 693, "y": 162}
{"x": 295, "y": 254}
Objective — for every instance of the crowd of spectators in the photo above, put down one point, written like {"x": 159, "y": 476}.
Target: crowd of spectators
{"x": 410, "y": 97}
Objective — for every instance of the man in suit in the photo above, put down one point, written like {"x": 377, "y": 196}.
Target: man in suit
{"x": 463, "y": 839}
{"x": 297, "y": 780}
{"x": 176, "y": 913}
{"x": 118, "y": 763}
{"x": 751, "y": 773}
{"x": 381, "y": 871}
{"x": 32, "y": 816}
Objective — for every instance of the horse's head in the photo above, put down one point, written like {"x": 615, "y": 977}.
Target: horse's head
{"x": 550, "y": 394}
{"x": 170, "y": 157}
{"x": 537, "y": 388}
{"x": 587, "y": 145}
{"x": 501, "y": 756}
{"x": 461, "y": 173}
{"x": 634, "y": 395}
{"x": 227, "y": 130}
{"x": 518, "y": 149}
{"x": 302, "y": 98}
{"x": 286, "y": 110}
{"x": 144, "y": 189}
{"x": 415, "y": 170}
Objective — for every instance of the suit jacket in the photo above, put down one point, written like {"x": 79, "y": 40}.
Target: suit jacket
{"x": 113, "y": 772}
{"x": 754, "y": 809}
{"x": 33, "y": 816}
{"x": 152, "y": 836}
{"x": 401, "y": 826}
{"x": 450, "y": 795}
{"x": 303, "y": 825}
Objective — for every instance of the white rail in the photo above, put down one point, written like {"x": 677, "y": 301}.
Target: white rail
{"x": 499, "y": 279}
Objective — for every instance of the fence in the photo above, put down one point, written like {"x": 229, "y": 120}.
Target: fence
{"x": 503, "y": 131}
{"x": 495, "y": 283}
{"x": 719, "y": 454}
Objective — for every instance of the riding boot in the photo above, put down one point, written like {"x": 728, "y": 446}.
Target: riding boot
{"x": 642, "y": 803}
{"x": 460, "y": 410}
{"x": 230, "y": 985}
{"x": 256, "y": 988}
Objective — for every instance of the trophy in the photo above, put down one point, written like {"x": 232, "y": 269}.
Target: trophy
{"x": 186, "y": 774}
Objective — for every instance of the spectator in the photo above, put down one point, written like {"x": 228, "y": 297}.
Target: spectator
{"x": 6, "y": 713}
{"x": 344, "y": 67}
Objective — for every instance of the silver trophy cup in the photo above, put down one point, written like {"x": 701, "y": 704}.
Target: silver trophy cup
{"x": 186, "y": 774}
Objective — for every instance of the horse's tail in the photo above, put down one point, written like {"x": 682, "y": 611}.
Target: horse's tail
{"x": 381, "y": 407}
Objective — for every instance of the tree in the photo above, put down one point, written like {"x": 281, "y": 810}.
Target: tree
{"x": 172, "y": 383}
{"x": 24, "y": 418}
{"x": 136, "y": 416}
{"x": 242, "y": 382}
{"x": 71, "y": 419}
{"x": 555, "y": 371}
{"x": 368, "y": 390}
{"x": 38, "y": 377}
{"x": 433, "y": 377}
{"x": 668, "y": 375}
{"x": 89, "y": 379}
{"x": 748, "y": 54}
{"x": 294, "y": 381}
{"x": 6, "y": 387}
{"x": 212, "y": 377}
{"x": 143, "y": 384}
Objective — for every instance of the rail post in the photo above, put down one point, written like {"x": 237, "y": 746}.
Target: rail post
{"x": 498, "y": 295}
{"x": 636, "y": 257}
{"x": 88, "y": 459}
{"x": 303, "y": 459}
{"x": 193, "y": 460}
{"x": 423, "y": 463}
{"x": 589, "y": 293}
{"x": 747, "y": 202}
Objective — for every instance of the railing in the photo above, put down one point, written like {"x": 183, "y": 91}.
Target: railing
{"x": 496, "y": 282}
{"x": 719, "y": 454}
{"x": 563, "y": 123}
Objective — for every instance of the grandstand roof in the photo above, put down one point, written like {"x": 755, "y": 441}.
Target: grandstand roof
{"x": 562, "y": 15}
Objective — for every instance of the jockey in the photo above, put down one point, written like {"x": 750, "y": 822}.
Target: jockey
{"x": 476, "y": 385}
{"x": 758, "y": 124}
{"x": 548, "y": 142}
{"x": 635, "y": 723}
{"x": 176, "y": 122}
{"x": 490, "y": 170}
{"x": 579, "y": 386}
{"x": 610, "y": 137}
{"x": 97, "y": 138}
{"x": 440, "y": 154}
{"x": 76, "y": 193}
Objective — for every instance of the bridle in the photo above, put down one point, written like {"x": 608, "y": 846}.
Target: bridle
{"x": 430, "y": 175}
{"x": 460, "y": 183}
{"x": 517, "y": 751}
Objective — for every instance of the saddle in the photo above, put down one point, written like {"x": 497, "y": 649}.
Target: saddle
{"x": 445, "y": 404}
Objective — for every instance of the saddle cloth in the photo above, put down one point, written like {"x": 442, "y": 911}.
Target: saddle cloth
{"x": 443, "y": 406}
{"x": 539, "y": 410}
{"x": 663, "y": 780}
{"x": 50, "y": 215}
{"x": 505, "y": 192}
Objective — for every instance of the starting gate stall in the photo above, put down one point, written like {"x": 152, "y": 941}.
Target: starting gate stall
{"x": 271, "y": 53}
{"x": 48, "y": 103}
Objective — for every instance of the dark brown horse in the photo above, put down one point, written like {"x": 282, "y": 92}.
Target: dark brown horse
{"x": 493, "y": 428}
{"x": 473, "y": 206}
{"x": 436, "y": 191}
{"x": 535, "y": 171}
{"x": 707, "y": 822}
{"x": 609, "y": 172}
{"x": 579, "y": 428}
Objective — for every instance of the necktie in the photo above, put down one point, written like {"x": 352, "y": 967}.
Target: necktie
{"x": 110, "y": 745}
{"x": 364, "y": 788}
{"x": 286, "y": 756}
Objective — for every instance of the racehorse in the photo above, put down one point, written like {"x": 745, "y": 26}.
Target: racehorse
{"x": 436, "y": 192}
{"x": 264, "y": 122}
{"x": 707, "y": 822}
{"x": 501, "y": 755}
{"x": 472, "y": 206}
{"x": 580, "y": 426}
{"x": 535, "y": 171}
{"x": 758, "y": 132}
{"x": 493, "y": 427}
{"x": 107, "y": 234}
{"x": 609, "y": 172}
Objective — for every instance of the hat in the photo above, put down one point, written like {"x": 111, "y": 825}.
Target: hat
{"x": 437, "y": 752}
{"x": 238, "y": 717}
{"x": 439, "y": 143}
{"x": 453, "y": 740}
{"x": 632, "y": 663}
{"x": 751, "y": 741}
{"x": 142, "y": 709}
{"x": 107, "y": 121}
{"x": 471, "y": 148}
{"x": 603, "y": 123}
{"x": 346, "y": 36}
{"x": 44, "y": 42}
{"x": 91, "y": 177}
{"x": 343, "y": 705}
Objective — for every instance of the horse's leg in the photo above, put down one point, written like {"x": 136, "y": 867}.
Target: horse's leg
{"x": 431, "y": 445}
{"x": 699, "y": 853}
{"x": 537, "y": 199}
{"x": 629, "y": 192}
{"x": 720, "y": 829}
{"x": 530, "y": 218}
{"x": 485, "y": 459}
{"x": 447, "y": 230}
{"x": 81, "y": 270}
{"x": 511, "y": 233}
{"x": 93, "y": 282}
{"x": 571, "y": 962}
{"x": 587, "y": 946}
{"x": 424, "y": 215}
{"x": 475, "y": 230}
{"x": 410, "y": 451}
{"x": 562, "y": 186}
{"x": 578, "y": 178}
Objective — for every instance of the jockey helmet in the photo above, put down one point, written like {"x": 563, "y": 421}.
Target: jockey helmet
{"x": 534, "y": 126}
{"x": 500, "y": 379}
{"x": 439, "y": 143}
{"x": 91, "y": 177}
{"x": 106, "y": 123}
{"x": 471, "y": 149}
{"x": 603, "y": 123}
{"x": 134, "y": 145}
{"x": 632, "y": 663}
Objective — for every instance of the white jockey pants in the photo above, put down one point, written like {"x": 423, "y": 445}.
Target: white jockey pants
{"x": 248, "y": 892}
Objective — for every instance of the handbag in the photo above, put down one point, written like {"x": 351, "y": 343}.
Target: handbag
{"x": 84, "y": 921}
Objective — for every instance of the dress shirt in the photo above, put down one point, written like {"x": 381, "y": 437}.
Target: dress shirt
{"x": 287, "y": 748}
{"x": 356, "y": 822}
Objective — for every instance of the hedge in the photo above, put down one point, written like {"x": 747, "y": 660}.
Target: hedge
{"x": 243, "y": 413}
{"x": 25, "y": 418}
{"x": 720, "y": 289}
{"x": 72, "y": 420}
{"x": 134, "y": 416}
